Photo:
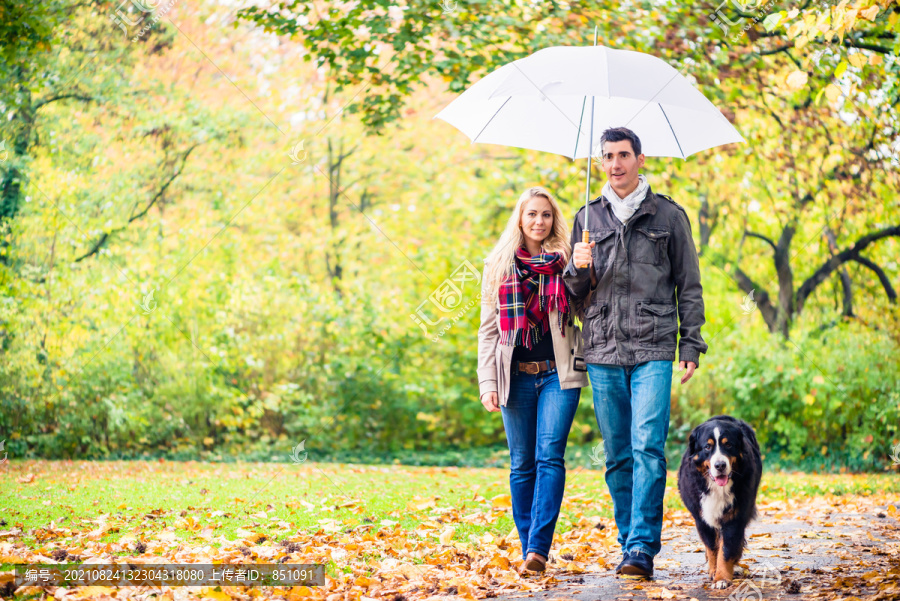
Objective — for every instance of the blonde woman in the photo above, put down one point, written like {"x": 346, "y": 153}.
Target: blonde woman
{"x": 526, "y": 363}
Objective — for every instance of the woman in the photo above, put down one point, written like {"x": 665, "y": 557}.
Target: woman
{"x": 527, "y": 346}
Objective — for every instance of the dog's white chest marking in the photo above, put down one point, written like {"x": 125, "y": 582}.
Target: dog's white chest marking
{"x": 714, "y": 503}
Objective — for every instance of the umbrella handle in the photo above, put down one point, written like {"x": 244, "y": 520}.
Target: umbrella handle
{"x": 586, "y": 238}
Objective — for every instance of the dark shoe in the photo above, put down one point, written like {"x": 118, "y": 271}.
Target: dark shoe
{"x": 637, "y": 564}
{"x": 535, "y": 563}
{"x": 621, "y": 563}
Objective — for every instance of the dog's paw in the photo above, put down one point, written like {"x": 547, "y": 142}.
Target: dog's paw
{"x": 721, "y": 584}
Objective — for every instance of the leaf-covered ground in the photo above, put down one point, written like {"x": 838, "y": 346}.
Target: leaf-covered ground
{"x": 399, "y": 532}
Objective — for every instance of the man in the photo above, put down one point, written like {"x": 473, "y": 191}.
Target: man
{"x": 638, "y": 269}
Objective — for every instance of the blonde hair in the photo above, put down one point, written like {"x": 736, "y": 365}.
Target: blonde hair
{"x": 500, "y": 262}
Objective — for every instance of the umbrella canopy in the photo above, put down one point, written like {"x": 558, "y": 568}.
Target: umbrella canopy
{"x": 543, "y": 102}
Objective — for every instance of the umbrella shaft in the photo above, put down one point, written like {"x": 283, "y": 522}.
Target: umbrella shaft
{"x": 585, "y": 236}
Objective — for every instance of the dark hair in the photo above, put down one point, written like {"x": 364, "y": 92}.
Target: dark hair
{"x": 617, "y": 134}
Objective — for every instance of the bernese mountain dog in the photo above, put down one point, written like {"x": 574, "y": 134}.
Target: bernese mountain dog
{"x": 718, "y": 480}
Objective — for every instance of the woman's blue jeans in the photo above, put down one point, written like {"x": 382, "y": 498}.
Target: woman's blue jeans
{"x": 537, "y": 418}
{"x": 631, "y": 404}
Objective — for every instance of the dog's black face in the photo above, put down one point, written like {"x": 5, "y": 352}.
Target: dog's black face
{"x": 716, "y": 447}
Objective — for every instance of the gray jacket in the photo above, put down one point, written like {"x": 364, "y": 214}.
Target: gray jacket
{"x": 642, "y": 269}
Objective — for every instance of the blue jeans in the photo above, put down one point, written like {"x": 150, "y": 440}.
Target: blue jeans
{"x": 537, "y": 418}
{"x": 631, "y": 404}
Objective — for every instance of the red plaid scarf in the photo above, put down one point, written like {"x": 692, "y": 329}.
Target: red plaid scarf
{"x": 526, "y": 298}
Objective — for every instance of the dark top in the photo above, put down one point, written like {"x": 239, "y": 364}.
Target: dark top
{"x": 541, "y": 351}
{"x": 649, "y": 274}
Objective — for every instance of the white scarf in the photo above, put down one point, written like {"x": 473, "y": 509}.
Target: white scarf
{"x": 624, "y": 208}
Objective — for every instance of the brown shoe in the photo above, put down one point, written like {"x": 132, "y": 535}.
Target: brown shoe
{"x": 535, "y": 563}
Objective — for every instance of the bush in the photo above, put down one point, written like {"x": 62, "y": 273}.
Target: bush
{"x": 822, "y": 399}
{"x": 348, "y": 379}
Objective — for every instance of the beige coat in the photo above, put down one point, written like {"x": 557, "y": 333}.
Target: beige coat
{"x": 495, "y": 359}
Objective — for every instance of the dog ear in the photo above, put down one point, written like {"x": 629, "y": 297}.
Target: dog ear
{"x": 747, "y": 437}
{"x": 746, "y": 451}
{"x": 692, "y": 442}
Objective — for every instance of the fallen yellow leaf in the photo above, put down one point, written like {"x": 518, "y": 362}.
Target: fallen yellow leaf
{"x": 502, "y": 501}
{"x": 88, "y": 592}
{"x": 498, "y": 561}
{"x": 446, "y": 536}
{"x": 210, "y": 593}
{"x": 299, "y": 592}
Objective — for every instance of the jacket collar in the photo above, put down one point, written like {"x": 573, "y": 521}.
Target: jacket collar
{"x": 648, "y": 205}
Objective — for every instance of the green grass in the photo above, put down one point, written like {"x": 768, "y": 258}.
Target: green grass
{"x": 578, "y": 454}
{"x": 74, "y": 494}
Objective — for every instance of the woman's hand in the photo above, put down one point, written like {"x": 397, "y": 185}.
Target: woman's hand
{"x": 489, "y": 400}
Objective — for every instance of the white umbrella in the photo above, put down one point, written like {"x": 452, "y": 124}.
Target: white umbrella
{"x": 539, "y": 102}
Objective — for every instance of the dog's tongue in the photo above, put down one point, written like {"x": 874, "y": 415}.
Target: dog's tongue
{"x": 721, "y": 480}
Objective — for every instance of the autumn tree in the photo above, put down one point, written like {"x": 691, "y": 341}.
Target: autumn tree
{"x": 815, "y": 90}
{"x": 788, "y": 77}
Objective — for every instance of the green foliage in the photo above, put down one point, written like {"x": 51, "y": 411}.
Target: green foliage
{"x": 394, "y": 49}
{"x": 284, "y": 290}
{"x": 825, "y": 398}
{"x": 27, "y": 31}
{"x": 351, "y": 387}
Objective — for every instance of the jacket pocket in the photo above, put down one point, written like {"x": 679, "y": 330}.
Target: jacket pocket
{"x": 657, "y": 325}
{"x": 649, "y": 245}
{"x": 605, "y": 242}
{"x": 595, "y": 325}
